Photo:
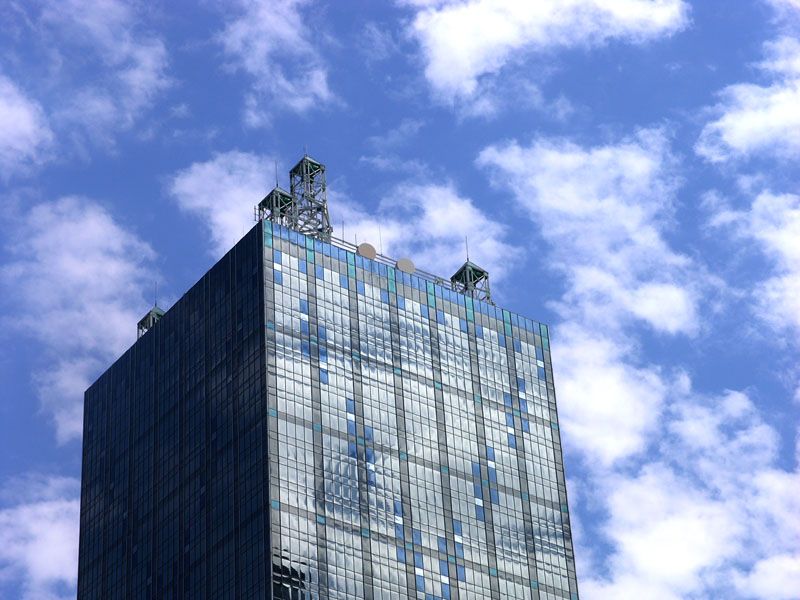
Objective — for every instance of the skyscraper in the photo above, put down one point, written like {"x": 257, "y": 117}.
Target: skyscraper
{"x": 312, "y": 420}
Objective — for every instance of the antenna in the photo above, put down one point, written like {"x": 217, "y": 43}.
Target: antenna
{"x": 466, "y": 245}
{"x": 473, "y": 281}
{"x": 380, "y": 238}
{"x": 152, "y": 316}
{"x": 308, "y": 200}
{"x": 276, "y": 173}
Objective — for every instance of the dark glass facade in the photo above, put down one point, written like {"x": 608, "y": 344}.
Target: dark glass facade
{"x": 308, "y": 423}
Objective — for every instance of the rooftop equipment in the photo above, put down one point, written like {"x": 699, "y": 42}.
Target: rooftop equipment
{"x": 305, "y": 207}
{"x": 151, "y": 318}
{"x": 277, "y": 206}
{"x": 473, "y": 281}
{"x": 310, "y": 194}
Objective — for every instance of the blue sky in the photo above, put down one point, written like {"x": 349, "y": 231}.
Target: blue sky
{"x": 625, "y": 170}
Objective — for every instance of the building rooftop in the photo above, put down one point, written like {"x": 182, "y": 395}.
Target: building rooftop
{"x": 439, "y": 286}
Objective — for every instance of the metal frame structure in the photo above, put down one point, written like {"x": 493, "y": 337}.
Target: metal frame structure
{"x": 310, "y": 193}
{"x": 277, "y": 206}
{"x": 151, "y": 318}
{"x": 472, "y": 280}
{"x": 305, "y": 207}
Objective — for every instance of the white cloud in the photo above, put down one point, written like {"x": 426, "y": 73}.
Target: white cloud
{"x": 75, "y": 283}
{"x": 666, "y": 540}
{"x": 393, "y": 163}
{"x": 91, "y": 64}
{"x": 222, "y": 193}
{"x": 397, "y": 136}
{"x": 39, "y": 537}
{"x": 753, "y": 119}
{"x": 440, "y": 219}
{"x": 773, "y": 578}
{"x": 24, "y": 132}
{"x": 466, "y": 42}
{"x": 666, "y": 532}
{"x": 611, "y": 406}
{"x": 270, "y": 41}
{"x": 722, "y": 441}
{"x": 604, "y": 210}
{"x": 773, "y": 222}
{"x": 777, "y": 503}
{"x": 377, "y": 43}
{"x": 704, "y": 515}
{"x": 786, "y": 8}
{"x": 130, "y": 65}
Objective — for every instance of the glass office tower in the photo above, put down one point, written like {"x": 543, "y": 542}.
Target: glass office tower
{"x": 308, "y": 422}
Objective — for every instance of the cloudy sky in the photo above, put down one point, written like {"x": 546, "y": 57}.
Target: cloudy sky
{"x": 625, "y": 169}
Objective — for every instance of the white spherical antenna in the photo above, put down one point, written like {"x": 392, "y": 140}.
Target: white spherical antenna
{"x": 405, "y": 265}
{"x": 367, "y": 250}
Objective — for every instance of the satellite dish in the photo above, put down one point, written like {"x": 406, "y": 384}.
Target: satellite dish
{"x": 367, "y": 250}
{"x": 405, "y": 265}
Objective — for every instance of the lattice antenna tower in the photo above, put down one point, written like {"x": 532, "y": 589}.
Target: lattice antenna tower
{"x": 305, "y": 207}
{"x": 473, "y": 281}
{"x": 277, "y": 206}
{"x": 152, "y": 317}
{"x": 310, "y": 195}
